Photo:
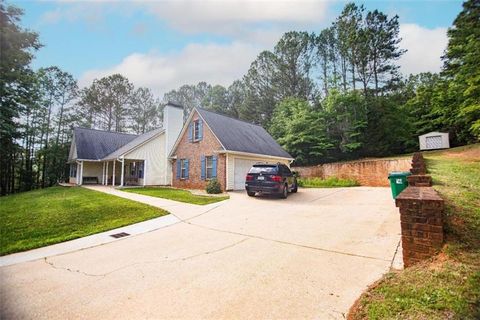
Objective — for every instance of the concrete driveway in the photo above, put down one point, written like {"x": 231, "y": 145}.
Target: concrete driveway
{"x": 309, "y": 256}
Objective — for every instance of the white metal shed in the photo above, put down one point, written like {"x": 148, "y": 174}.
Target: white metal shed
{"x": 434, "y": 140}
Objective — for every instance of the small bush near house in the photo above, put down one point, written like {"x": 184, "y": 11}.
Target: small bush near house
{"x": 213, "y": 186}
{"x": 331, "y": 182}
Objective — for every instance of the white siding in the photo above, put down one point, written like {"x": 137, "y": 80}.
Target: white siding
{"x": 93, "y": 169}
{"x": 72, "y": 154}
{"x": 441, "y": 141}
{"x": 254, "y": 159}
{"x": 156, "y": 165}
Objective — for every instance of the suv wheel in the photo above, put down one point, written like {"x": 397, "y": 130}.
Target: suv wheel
{"x": 251, "y": 193}
{"x": 284, "y": 193}
{"x": 295, "y": 188}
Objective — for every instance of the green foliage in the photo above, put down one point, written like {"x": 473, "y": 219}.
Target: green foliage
{"x": 16, "y": 82}
{"x": 176, "y": 195}
{"x": 213, "y": 187}
{"x": 422, "y": 293}
{"x": 144, "y": 110}
{"x": 189, "y": 96}
{"x": 346, "y": 114}
{"x": 458, "y": 181}
{"x": 43, "y": 217}
{"x": 106, "y": 102}
{"x": 300, "y": 129}
{"x": 462, "y": 59}
{"x": 331, "y": 182}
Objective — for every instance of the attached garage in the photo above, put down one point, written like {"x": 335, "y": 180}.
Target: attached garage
{"x": 238, "y": 167}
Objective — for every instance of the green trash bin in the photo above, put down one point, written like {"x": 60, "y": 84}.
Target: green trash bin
{"x": 398, "y": 182}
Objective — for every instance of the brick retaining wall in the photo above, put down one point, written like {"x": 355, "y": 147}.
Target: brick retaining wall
{"x": 366, "y": 172}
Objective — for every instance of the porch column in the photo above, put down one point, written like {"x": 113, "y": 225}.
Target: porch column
{"x": 103, "y": 173}
{"x": 81, "y": 172}
{"x": 144, "y": 172}
{"x": 122, "y": 173}
{"x": 106, "y": 174}
{"x": 77, "y": 173}
{"x": 113, "y": 174}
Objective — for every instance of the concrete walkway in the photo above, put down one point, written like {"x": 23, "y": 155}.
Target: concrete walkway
{"x": 177, "y": 210}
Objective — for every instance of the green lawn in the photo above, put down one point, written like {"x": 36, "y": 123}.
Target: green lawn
{"x": 447, "y": 286}
{"x": 42, "y": 217}
{"x": 331, "y": 182}
{"x": 176, "y": 194}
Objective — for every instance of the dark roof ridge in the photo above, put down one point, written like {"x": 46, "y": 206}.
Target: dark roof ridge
{"x": 227, "y": 116}
{"x": 238, "y": 135}
{"x": 116, "y": 132}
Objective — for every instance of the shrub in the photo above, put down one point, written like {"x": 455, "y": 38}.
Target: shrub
{"x": 330, "y": 182}
{"x": 213, "y": 186}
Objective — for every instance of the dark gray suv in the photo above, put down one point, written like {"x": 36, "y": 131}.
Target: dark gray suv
{"x": 270, "y": 179}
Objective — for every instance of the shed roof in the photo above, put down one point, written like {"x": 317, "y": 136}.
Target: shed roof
{"x": 242, "y": 136}
{"x": 92, "y": 144}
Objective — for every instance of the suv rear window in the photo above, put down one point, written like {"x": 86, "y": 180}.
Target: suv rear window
{"x": 263, "y": 169}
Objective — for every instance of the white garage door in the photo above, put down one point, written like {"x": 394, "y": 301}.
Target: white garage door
{"x": 434, "y": 142}
{"x": 240, "y": 171}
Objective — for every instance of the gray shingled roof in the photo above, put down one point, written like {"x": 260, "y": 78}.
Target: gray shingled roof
{"x": 132, "y": 144}
{"x": 238, "y": 135}
{"x": 94, "y": 144}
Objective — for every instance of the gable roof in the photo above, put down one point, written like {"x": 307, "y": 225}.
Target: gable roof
{"x": 133, "y": 144}
{"x": 94, "y": 144}
{"x": 241, "y": 136}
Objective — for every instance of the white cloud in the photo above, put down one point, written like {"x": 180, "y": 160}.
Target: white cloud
{"x": 232, "y": 16}
{"x": 252, "y": 26}
{"x": 213, "y": 63}
{"x": 425, "y": 48}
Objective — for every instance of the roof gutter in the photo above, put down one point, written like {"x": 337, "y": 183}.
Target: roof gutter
{"x": 241, "y": 153}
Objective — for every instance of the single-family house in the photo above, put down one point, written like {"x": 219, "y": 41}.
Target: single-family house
{"x": 184, "y": 155}
{"x": 211, "y": 146}
{"x": 106, "y": 157}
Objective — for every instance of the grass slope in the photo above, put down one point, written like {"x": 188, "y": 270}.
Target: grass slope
{"x": 176, "y": 195}
{"x": 42, "y": 217}
{"x": 447, "y": 286}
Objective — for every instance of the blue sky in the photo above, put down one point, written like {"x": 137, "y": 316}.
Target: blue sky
{"x": 164, "y": 44}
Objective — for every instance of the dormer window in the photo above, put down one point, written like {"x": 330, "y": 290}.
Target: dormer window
{"x": 196, "y": 130}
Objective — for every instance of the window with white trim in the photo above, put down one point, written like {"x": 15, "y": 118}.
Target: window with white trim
{"x": 183, "y": 168}
{"x": 209, "y": 167}
{"x": 196, "y": 130}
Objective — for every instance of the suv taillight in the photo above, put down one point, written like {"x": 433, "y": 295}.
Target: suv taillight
{"x": 249, "y": 177}
{"x": 276, "y": 178}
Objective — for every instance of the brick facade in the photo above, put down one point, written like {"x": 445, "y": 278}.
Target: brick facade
{"x": 193, "y": 151}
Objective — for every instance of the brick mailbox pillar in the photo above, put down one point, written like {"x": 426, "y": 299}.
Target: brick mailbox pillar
{"x": 418, "y": 164}
{"x": 421, "y": 217}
